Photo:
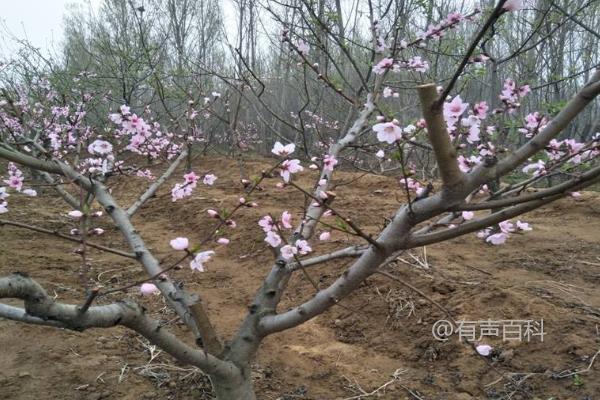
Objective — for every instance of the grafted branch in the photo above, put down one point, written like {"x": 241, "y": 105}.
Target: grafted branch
{"x": 445, "y": 153}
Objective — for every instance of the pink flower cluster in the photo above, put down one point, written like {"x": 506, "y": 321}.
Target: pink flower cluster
{"x": 287, "y": 167}
{"x": 570, "y": 147}
{"x": 511, "y": 94}
{"x": 144, "y": 138}
{"x": 185, "y": 189}
{"x": 15, "y": 177}
{"x": 439, "y": 30}
{"x": 453, "y": 111}
{"x": 505, "y": 229}
{"x": 272, "y": 229}
{"x": 415, "y": 63}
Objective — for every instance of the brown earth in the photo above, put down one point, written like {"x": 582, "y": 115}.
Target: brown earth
{"x": 381, "y": 331}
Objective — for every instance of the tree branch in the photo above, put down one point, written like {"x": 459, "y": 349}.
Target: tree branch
{"x": 41, "y": 309}
{"x": 66, "y": 237}
{"x": 445, "y": 153}
{"x": 157, "y": 184}
{"x": 483, "y": 173}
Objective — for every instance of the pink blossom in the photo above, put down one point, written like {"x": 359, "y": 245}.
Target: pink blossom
{"x": 180, "y": 191}
{"x": 286, "y": 220}
{"x": 483, "y": 234}
{"x": 380, "y": 154}
{"x": 303, "y": 246}
{"x": 387, "y": 92}
{"x": 75, "y": 214}
{"x": 212, "y": 213}
{"x": 575, "y": 195}
{"x": 96, "y": 231}
{"x": 115, "y": 118}
{"x": 532, "y": 120}
{"x": 288, "y": 252}
{"x": 325, "y": 236}
{"x": 199, "y": 260}
{"x": 454, "y": 109}
{"x": 231, "y": 223}
{"x": 15, "y": 182}
{"x": 266, "y": 223}
{"x": 497, "y": 238}
{"x": 3, "y": 207}
{"x": 481, "y": 109}
{"x": 513, "y": 5}
{"x": 273, "y": 239}
{"x": 223, "y": 241}
{"x": 146, "y": 173}
{"x": 383, "y": 65}
{"x": 290, "y": 167}
{"x": 387, "y": 132}
{"x": 100, "y": 147}
{"x": 29, "y": 192}
{"x": 418, "y": 64}
{"x": 303, "y": 47}
{"x": 180, "y": 243}
{"x": 3, "y": 194}
{"x": 473, "y": 123}
{"x": 468, "y": 215}
{"x": 524, "y": 90}
{"x": 148, "y": 289}
{"x": 329, "y": 162}
{"x": 484, "y": 349}
{"x": 209, "y": 179}
{"x": 538, "y": 167}
{"x": 380, "y": 45}
{"x": 506, "y": 226}
{"x": 523, "y": 226}
{"x": 282, "y": 150}
{"x": 454, "y": 18}
{"x": 191, "y": 178}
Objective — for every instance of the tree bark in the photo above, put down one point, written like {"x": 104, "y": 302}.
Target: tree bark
{"x": 237, "y": 388}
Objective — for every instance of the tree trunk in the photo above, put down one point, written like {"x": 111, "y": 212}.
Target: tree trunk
{"x": 237, "y": 388}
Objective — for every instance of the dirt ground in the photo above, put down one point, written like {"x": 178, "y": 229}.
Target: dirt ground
{"x": 379, "y": 338}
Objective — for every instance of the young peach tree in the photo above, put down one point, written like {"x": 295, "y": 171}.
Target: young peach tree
{"x": 48, "y": 139}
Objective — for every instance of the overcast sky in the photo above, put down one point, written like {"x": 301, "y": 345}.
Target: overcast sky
{"x": 40, "y": 21}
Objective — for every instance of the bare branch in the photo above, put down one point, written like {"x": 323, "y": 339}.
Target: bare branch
{"x": 41, "y": 309}
{"x": 157, "y": 184}
{"x": 67, "y": 237}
